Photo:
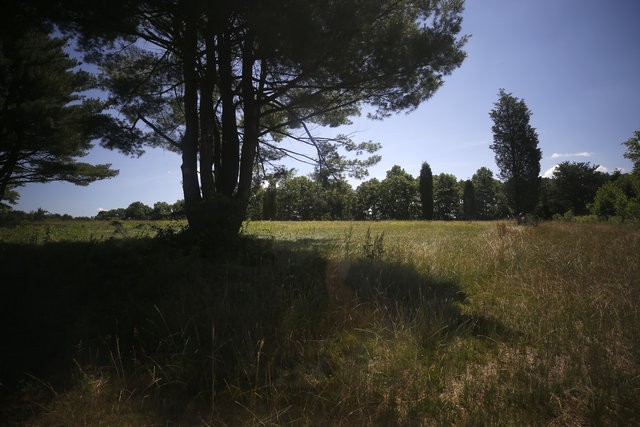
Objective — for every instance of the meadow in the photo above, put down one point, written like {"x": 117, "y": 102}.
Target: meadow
{"x": 330, "y": 323}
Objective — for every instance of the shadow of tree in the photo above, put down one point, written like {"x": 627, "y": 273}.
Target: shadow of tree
{"x": 246, "y": 309}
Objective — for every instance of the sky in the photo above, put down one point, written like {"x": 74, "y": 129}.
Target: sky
{"x": 576, "y": 64}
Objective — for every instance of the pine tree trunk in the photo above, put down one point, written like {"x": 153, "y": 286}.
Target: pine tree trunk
{"x": 190, "y": 184}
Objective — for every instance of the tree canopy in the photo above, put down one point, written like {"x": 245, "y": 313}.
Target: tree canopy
{"x": 46, "y": 122}
{"x": 223, "y": 83}
{"x": 446, "y": 197}
{"x": 575, "y": 186}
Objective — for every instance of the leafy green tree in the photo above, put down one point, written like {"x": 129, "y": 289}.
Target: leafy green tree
{"x": 469, "y": 209}
{"x": 118, "y": 213}
{"x": 138, "y": 210}
{"x": 515, "y": 144}
{"x": 161, "y": 210}
{"x": 633, "y": 151}
{"x": 426, "y": 191}
{"x": 446, "y": 197}
{"x": 486, "y": 193}
{"x": 609, "y": 201}
{"x": 177, "y": 210}
{"x": 398, "y": 192}
{"x": 46, "y": 123}
{"x": 574, "y": 186}
{"x": 368, "y": 200}
{"x": 296, "y": 200}
{"x": 224, "y": 82}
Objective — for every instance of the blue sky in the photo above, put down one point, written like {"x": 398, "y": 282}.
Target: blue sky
{"x": 575, "y": 63}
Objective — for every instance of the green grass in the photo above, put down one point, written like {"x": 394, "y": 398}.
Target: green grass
{"x": 344, "y": 323}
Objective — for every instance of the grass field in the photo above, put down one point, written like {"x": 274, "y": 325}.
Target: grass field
{"x": 344, "y": 323}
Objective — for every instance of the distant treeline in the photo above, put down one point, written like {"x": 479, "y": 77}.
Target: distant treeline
{"x": 576, "y": 189}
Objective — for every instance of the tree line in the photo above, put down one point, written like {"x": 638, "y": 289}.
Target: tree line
{"x": 575, "y": 189}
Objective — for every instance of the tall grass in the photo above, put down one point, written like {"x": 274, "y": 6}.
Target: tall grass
{"x": 415, "y": 323}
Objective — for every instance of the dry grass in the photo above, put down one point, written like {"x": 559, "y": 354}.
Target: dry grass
{"x": 408, "y": 323}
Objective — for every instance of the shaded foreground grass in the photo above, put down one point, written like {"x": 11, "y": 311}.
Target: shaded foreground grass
{"x": 325, "y": 323}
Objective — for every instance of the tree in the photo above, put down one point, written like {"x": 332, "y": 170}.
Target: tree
{"x": 398, "y": 194}
{"x": 368, "y": 200}
{"x": 138, "y": 210}
{"x": 177, "y": 210}
{"x": 426, "y": 191}
{"x": 633, "y": 151}
{"x": 515, "y": 144}
{"x": 46, "y": 122}
{"x": 486, "y": 193}
{"x": 574, "y": 186}
{"x": 296, "y": 200}
{"x": 224, "y": 82}
{"x": 161, "y": 210}
{"x": 609, "y": 201}
{"x": 446, "y": 199}
{"x": 469, "y": 201}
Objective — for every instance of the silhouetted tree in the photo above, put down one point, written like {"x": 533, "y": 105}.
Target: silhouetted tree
{"x": 46, "y": 123}
{"x": 222, "y": 82}
{"x": 426, "y": 191}
{"x": 574, "y": 186}
{"x": 269, "y": 206}
{"x": 469, "y": 201}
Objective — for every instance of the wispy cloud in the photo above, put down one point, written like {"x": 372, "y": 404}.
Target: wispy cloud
{"x": 602, "y": 169}
{"x": 101, "y": 209}
{"x": 580, "y": 154}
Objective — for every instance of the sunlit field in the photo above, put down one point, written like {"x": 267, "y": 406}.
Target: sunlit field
{"x": 330, "y": 323}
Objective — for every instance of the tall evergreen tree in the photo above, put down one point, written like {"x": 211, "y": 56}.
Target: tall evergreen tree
{"x": 515, "y": 144}
{"x": 426, "y": 191}
{"x": 46, "y": 123}
{"x": 469, "y": 201}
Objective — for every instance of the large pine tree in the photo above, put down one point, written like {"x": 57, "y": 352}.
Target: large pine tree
{"x": 515, "y": 144}
{"x": 46, "y": 123}
{"x": 225, "y": 82}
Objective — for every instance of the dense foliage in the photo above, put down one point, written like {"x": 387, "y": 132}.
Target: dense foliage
{"x": 46, "y": 123}
{"x": 576, "y": 189}
{"x": 515, "y": 144}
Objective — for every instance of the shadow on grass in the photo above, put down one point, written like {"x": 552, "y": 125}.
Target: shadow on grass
{"x": 203, "y": 318}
